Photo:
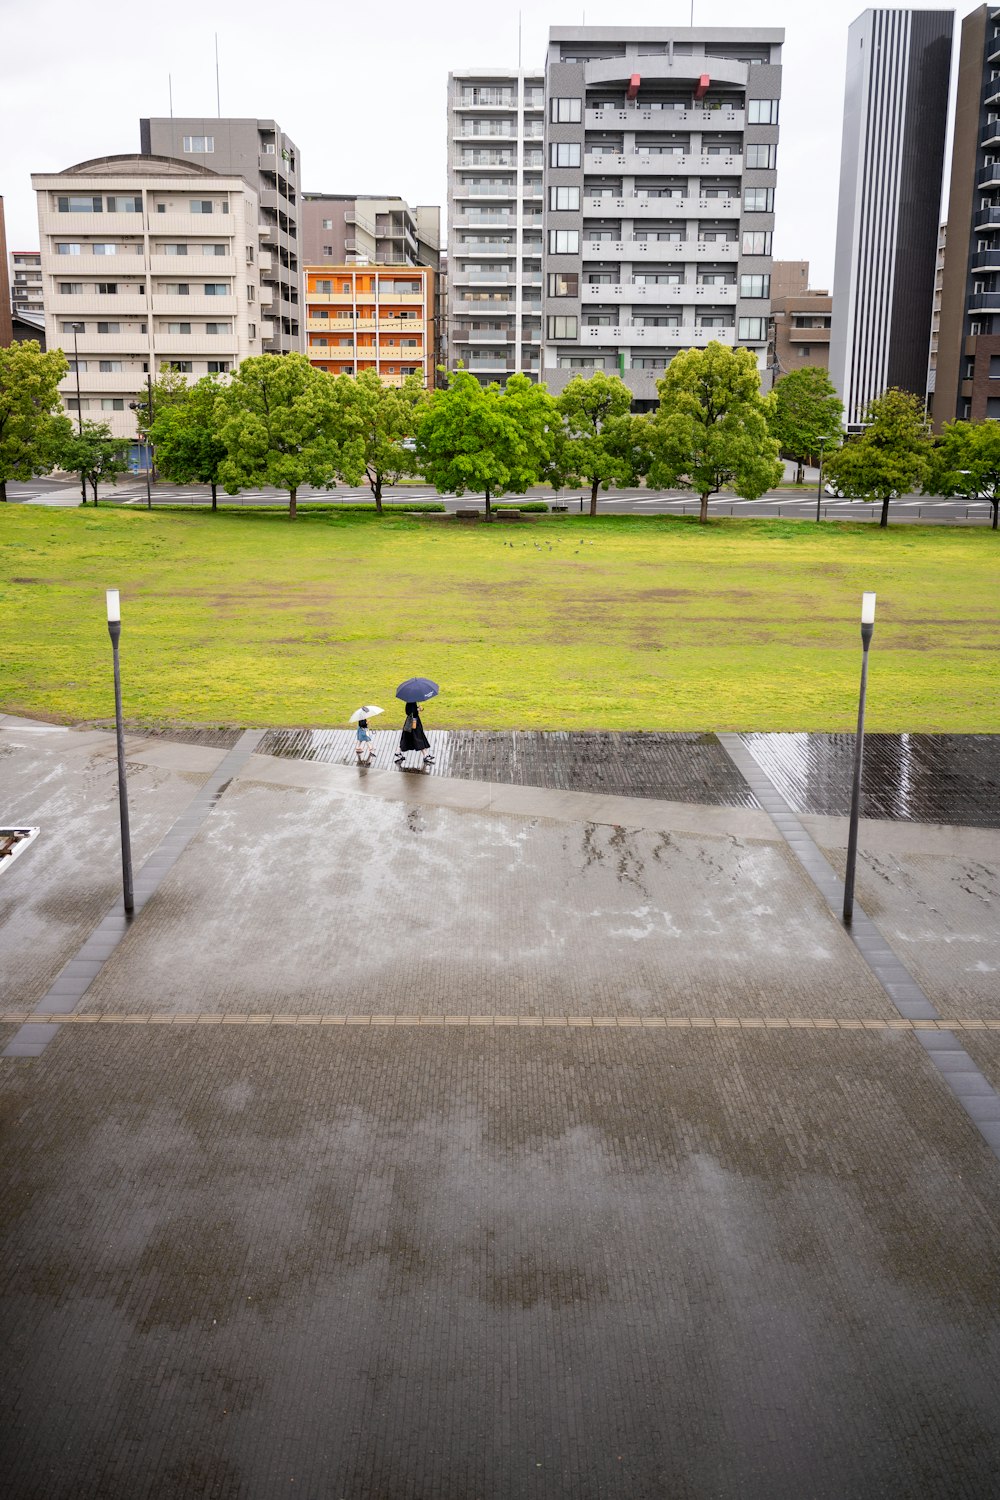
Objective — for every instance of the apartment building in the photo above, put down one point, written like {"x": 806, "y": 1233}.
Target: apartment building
{"x": 146, "y": 261}
{"x": 371, "y": 318}
{"x": 26, "y": 281}
{"x": 496, "y": 127}
{"x": 341, "y": 228}
{"x": 895, "y": 113}
{"x": 6, "y": 323}
{"x": 800, "y": 319}
{"x": 661, "y": 150}
{"x": 263, "y": 155}
{"x": 967, "y": 382}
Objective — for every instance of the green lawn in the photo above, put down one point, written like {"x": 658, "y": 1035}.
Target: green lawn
{"x": 623, "y": 622}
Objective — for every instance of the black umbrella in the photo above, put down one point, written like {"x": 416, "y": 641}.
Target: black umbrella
{"x": 417, "y": 690}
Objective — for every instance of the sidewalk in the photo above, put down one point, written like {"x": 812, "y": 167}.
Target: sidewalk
{"x": 438, "y": 1136}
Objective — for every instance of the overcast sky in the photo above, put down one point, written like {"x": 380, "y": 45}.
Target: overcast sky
{"x": 361, "y": 89}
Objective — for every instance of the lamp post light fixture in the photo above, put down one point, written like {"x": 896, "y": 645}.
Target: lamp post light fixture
{"x": 867, "y": 630}
{"x": 115, "y": 630}
{"x": 819, "y": 483}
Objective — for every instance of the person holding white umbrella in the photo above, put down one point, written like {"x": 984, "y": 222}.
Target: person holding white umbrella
{"x": 365, "y": 748}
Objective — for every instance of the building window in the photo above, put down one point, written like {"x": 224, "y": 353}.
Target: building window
{"x": 177, "y": 288}
{"x": 110, "y": 366}
{"x": 175, "y": 250}
{"x": 67, "y": 249}
{"x": 327, "y": 223}
{"x": 199, "y": 145}
{"x": 564, "y": 199}
{"x": 73, "y": 327}
{"x": 218, "y": 328}
{"x": 252, "y": 332}
{"x": 327, "y": 249}
{"x": 564, "y": 242}
{"x": 566, "y": 111}
{"x": 127, "y": 204}
{"x": 562, "y": 328}
{"x": 76, "y": 366}
{"x": 216, "y": 289}
{"x": 110, "y": 328}
{"x": 758, "y": 200}
{"x": 74, "y": 405}
{"x": 182, "y": 366}
{"x": 218, "y": 367}
{"x": 574, "y": 362}
{"x": 752, "y": 329}
{"x": 108, "y": 288}
{"x": 756, "y": 242}
{"x": 78, "y": 205}
{"x": 760, "y": 156}
{"x": 224, "y": 250}
{"x": 762, "y": 111}
{"x": 564, "y": 284}
{"x": 565, "y": 153}
{"x": 207, "y": 206}
{"x": 104, "y": 249}
{"x": 755, "y": 286}
{"x": 178, "y": 327}
{"x": 70, "y": 288}
{"x": 112, "y": 403}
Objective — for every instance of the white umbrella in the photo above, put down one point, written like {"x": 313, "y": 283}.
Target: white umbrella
{"x": 366, "y": 711}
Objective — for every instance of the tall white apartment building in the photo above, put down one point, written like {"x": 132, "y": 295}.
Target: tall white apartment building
{"x": 147, "y": 261}
{"x": 661, "y": 148}
{"x": 495, "y": 163}
{"x": 26, "y": 281}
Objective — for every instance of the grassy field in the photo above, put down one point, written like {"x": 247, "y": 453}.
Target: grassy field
{"x": 622, "y": 622}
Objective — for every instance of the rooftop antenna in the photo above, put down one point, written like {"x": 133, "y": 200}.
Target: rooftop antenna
{"x": 218, "y": 97}
{"x": 170, "y": 91}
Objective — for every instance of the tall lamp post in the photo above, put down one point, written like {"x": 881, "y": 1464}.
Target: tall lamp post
{"x": 819, "y": 483}
{"x": 115, "y": 630}
{"x": 867, "y": 630}
{"x": 146, "y": 440}
{"x": 79, "y": 405}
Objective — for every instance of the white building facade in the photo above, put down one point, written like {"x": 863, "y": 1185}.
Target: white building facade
{"x": 147, "y": 262}
{"x": 495, "y": 164}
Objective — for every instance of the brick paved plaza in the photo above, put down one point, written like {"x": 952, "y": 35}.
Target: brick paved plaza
{"x": 435, "y": 1137}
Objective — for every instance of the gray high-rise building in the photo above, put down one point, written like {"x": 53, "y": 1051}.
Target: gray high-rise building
{"x": 895, "y": 113}
{"x": 495, "y": 156}
{"x": 266, "y": 158}
{"x": 661, "y": 148}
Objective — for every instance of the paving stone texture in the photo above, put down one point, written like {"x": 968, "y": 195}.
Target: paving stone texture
{"x": 586, "y": 1259}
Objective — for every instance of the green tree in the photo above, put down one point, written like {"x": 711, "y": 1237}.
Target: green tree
{"x": 276, "y": 420}
{"x": 596, "y": 445}
{"x": 965, "y": 460}
{"x": 806, "y": 414}
{"x": 711, "y": 429}
{"x": 474, "y": 437}
{"x": 188, "y": 449}
{"x": 95, "y": 454}
{"x": 376, "y": 421}
{"x": 890, "y": 457}
{"x": 32, "y": 427}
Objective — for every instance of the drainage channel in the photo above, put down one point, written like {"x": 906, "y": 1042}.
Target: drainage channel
{"x": 969, "y": 1085}
{"x": 76, "y": 977}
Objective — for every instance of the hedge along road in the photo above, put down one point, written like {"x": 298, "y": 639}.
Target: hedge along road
{"x": 561, "y": 623}
{"x": 798, "y": 503}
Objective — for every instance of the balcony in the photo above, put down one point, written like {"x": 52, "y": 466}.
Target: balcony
{"x": 103, "y": 345}
{"x": 663, "y": 208}
{"x": 992, "y": 136}
{"x": 635, "y": 117}
{"x": 95, "y": 305}
{"x": 988, "y": 218}
{"x": 104, "y": 267}
{"x": 639, "y": 164}
{"x": 991, "y": 93}
{"x": 505, "y": 249}
{"x": 809, "y": 335}
{"x": 984, "y": 302}
{"x": 659, "y": 251}
{"x": 478, "y": 336}
{"x": 349, "y": 325}
{"x": 104, "y": 226}
{"x": 636, "y": 337}
{"x": 184, "y": 267}
{"x": 192, "y": 306}
{"x": 334, "y": 351}
{"x": 989, "y": 177}
{"x": 503, "y": 307}
{"x": 986, "y": 260}
{"x": 505, "y": 192}
{"x": 118, "y": 383}
{"x": 687, "y": 293}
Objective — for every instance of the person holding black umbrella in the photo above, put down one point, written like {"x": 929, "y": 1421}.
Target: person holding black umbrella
{"x": 413, "y": 692}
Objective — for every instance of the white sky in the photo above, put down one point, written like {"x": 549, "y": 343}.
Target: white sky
{"x": 361, "y": 89}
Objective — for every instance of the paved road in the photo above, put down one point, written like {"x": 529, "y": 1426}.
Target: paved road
{"x": 615, "y": 502}
{"x": 435, "y": 1138}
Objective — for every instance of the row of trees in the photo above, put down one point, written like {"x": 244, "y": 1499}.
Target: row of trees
{"x": 279, "y": 422}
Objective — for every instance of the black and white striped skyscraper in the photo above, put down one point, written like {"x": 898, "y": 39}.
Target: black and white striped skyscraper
{"x": 895, "y": 115}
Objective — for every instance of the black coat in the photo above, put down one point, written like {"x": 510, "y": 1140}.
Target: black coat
{"x": 415, "y": 738}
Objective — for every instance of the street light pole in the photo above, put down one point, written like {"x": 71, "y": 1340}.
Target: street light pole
{"x": 79, "y": 405}
{"x": 115, "y": 630}
{"x": 819, "y": 483}
{"x": 867, "y": 630}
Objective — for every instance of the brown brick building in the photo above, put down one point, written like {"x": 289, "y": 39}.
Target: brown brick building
{"x": 800, "y": 319}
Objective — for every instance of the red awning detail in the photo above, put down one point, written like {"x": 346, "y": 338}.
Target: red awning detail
{"x": 702, "y": 88}
{"x": 633, "y": 86}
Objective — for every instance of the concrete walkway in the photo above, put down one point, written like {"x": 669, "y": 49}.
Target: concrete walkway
{"x": 431, "y": 1136}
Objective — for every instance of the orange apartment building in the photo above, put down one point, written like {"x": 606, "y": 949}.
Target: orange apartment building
{"x": 365, "y": 317}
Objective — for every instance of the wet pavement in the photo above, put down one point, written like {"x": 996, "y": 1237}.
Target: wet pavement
{"x": 435, "y": 1136}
